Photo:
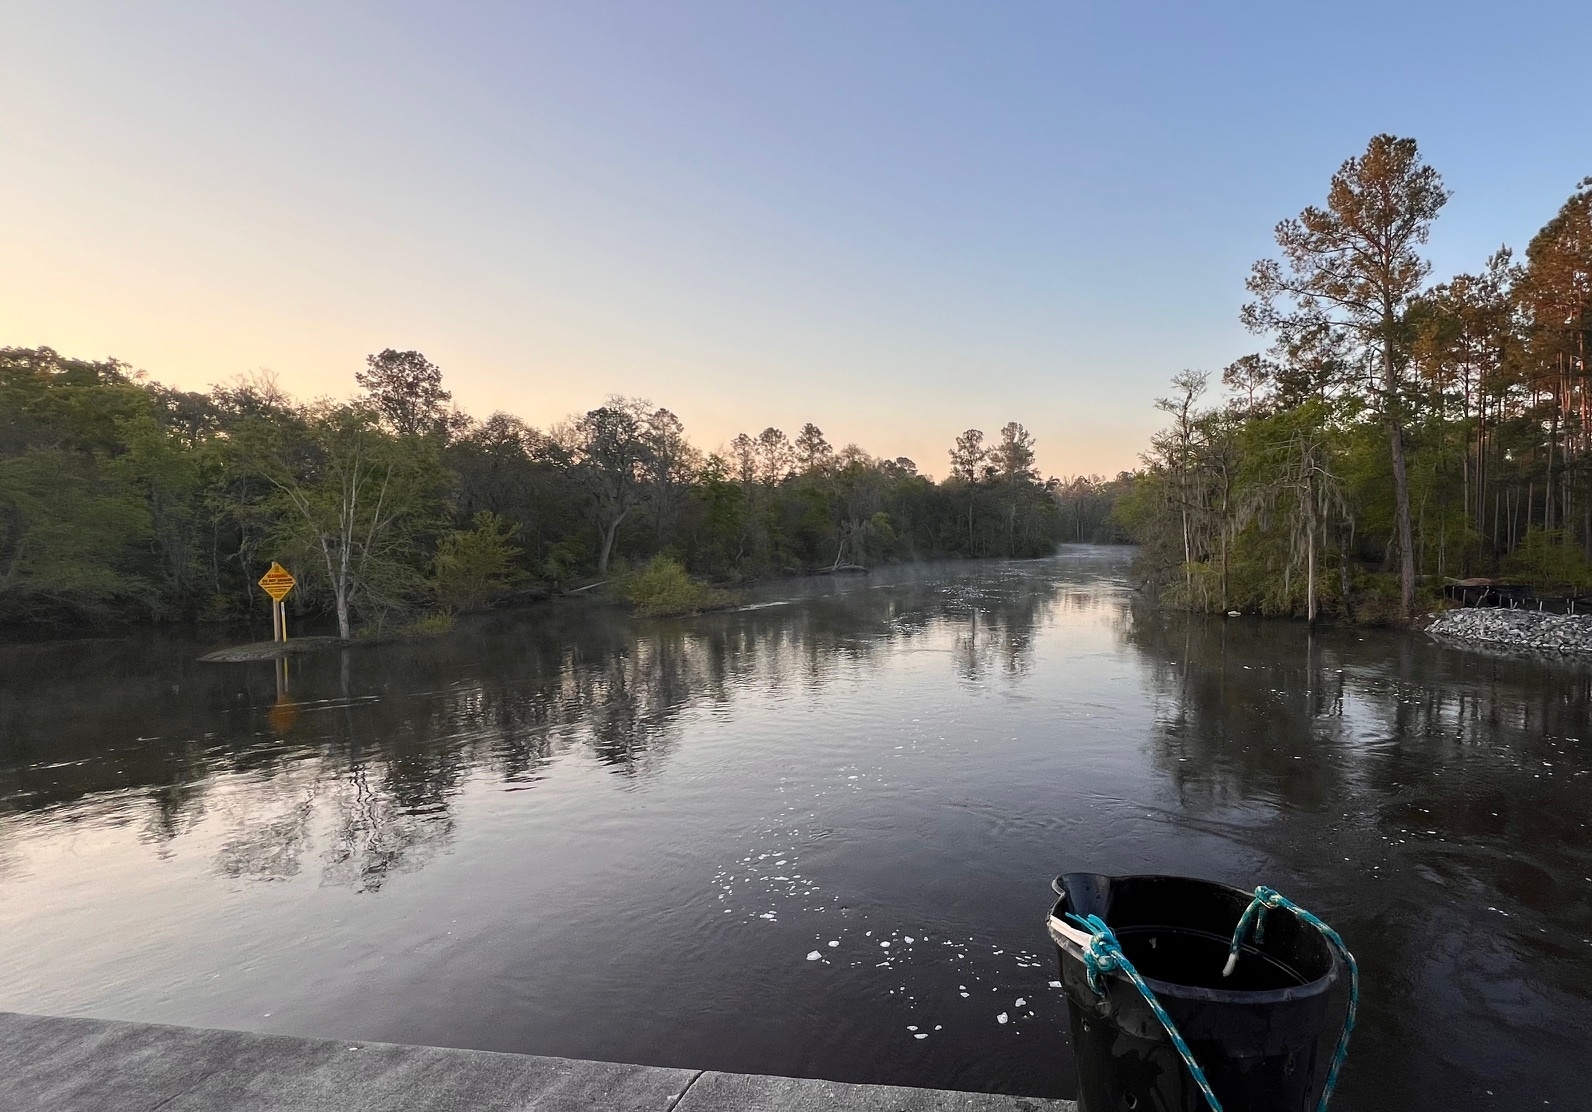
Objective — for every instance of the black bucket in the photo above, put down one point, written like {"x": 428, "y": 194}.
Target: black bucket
{"x": 1258, "y": 1034}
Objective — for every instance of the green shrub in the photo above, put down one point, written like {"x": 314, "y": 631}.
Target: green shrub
{"x": 429, "y": 625}
{"x": 1377, "y": 598}
{"x": 663, "y": 588}
{"x": 1551, "y": 561}
{"x": 475, "y": 566}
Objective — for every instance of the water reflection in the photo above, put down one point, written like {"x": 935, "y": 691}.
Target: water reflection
{"x": 1428, "y": 800}
{"x": 365, "y": 750}
{"x": 927, "y": 745}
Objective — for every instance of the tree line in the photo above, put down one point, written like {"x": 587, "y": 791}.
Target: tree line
{"x": 125, "y": 499}
{"x": 1394, "y": 433}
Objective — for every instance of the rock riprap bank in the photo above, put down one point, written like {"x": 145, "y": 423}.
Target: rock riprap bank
{"x": 1519, "y": 629}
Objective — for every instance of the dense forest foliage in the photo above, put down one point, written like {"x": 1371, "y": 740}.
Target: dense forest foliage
{"x": 1396, "y": 432}
{"x": 123, "y": 499}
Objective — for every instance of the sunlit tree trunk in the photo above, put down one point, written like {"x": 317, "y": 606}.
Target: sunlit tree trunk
{"x": 1401, "y": 481}
{"x": 1310, "y": 571}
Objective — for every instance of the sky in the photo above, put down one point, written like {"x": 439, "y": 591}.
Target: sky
{"x": 894, "y": 220}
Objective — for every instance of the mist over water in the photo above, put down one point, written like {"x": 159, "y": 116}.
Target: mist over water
{"x": 813, "y": 836}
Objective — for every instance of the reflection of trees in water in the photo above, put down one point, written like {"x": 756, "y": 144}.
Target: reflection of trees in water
{"x": 1229, "y": 717}
{"x": 621, "y": 705}
{"x": 270, "y": 822}
{"x": 375, "y": 818}
{"x": 178, "y": 802}
{"x": 1407, "y": 790}
{"x": 1243, "y": 702}
{"x": 382, "y": 828}
{"x": 365, "y": 776}
{"x": 995, "y": 627}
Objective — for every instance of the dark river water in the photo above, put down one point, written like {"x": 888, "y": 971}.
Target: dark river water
{"x": 810, "y": 837}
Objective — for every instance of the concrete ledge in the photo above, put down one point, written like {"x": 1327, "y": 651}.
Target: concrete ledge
{"x": 96, "y": 1065}
{"x": 731, "y": 1092}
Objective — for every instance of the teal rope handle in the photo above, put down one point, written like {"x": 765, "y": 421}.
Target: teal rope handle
{"x": 1265, "y": 899}
{"x": 1104, "y": 955}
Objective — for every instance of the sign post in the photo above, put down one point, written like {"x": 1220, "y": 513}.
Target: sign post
{"x": 277, "y": 583}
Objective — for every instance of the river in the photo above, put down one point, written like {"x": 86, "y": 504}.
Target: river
{"x": 813, "y": 836}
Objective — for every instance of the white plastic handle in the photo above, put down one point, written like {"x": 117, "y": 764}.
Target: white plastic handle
{"x": 1060, "y": 930}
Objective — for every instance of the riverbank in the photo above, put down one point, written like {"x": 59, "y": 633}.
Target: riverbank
{"x": 725, "y": 594}
{"x": 1520, "y": 629}
{"x": 270, "y": 650}
{"x": 78, "y": 1065}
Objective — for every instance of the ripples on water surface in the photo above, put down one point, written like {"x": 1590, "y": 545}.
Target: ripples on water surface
{"x": 811, "y": 838}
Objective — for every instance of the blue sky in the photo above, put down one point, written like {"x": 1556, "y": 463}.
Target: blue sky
{"x": 897, "y": 221}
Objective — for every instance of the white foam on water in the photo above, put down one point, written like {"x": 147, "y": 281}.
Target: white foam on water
{"x": 1002, "y": 1018}
{"x": 814, "y": 956}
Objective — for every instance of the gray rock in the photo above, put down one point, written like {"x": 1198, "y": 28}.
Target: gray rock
{"x": 1520, "y": 629}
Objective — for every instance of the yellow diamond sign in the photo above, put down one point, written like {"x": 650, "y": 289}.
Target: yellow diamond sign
{"x": 277, "y": 582}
